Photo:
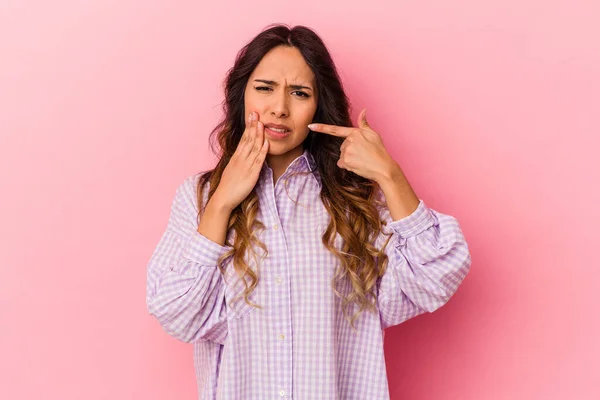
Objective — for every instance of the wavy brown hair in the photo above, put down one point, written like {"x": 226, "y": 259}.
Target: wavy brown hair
{"x": 351, "y": 200}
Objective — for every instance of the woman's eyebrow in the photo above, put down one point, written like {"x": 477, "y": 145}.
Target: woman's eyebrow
{"x": 296, "y": 87}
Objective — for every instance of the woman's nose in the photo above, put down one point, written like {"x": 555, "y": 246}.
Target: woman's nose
{"x": 279, "y": 107}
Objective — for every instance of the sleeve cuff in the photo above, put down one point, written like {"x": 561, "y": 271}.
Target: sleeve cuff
{"x": 420, "y": 220}
{"x": 203, "y": 251}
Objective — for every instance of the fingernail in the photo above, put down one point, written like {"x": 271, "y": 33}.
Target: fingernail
{"x": 311, "y": 126}
{"x": 252, "y": 116}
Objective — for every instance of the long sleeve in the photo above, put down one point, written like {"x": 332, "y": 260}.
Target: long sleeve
{"x": 185, "y": 290}
{"x": 428, "y": 258}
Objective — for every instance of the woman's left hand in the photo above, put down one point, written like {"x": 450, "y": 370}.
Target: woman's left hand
{"x": 362, "y": 151}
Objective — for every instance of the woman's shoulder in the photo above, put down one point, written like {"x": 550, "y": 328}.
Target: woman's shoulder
{"x": 187, "y": 191}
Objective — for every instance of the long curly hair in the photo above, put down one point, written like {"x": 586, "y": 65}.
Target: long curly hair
{"x": 350, "y": 200}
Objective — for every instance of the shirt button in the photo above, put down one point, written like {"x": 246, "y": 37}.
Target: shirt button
{"x": 275, "y": 227}
{"x": 282, "y": 392}
{"x": 281, "y": 337}
{"x": 278, "y": 280}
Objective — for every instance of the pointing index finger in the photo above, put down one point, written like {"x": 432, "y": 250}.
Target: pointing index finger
{"x": 334, "y": 130}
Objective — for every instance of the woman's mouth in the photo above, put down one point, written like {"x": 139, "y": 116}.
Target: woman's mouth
{"x": 277, "y": 133}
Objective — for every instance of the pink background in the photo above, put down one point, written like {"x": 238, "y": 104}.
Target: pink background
{"x": 491, "y": 108}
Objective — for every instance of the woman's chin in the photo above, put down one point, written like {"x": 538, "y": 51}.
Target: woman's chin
{"x": 275, "y": 149}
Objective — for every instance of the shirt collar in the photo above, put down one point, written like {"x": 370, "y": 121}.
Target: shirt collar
{"x": 303, "y": 163}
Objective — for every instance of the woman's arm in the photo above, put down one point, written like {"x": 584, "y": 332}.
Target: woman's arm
{"x": 428, "y": 258}
{"x": 185, "y": 290}
{"x": 428, "y": 255}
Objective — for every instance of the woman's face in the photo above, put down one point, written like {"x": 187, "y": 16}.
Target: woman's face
{"x": 281, "y": 89}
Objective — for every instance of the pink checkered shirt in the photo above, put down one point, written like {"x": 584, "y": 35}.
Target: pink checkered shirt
{"x": 299, "y": 345}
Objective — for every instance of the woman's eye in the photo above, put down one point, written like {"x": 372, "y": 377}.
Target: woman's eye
{"x": 266, "y": 88}
{"x": 302, "y": 94}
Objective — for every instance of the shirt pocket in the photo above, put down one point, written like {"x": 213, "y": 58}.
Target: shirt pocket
{"x": 308, "y": 224}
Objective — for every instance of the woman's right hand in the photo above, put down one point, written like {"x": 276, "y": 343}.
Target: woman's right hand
{"x": 242, "y": 172}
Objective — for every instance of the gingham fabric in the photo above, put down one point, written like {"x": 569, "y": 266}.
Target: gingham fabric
{"x": 299, "y": 344}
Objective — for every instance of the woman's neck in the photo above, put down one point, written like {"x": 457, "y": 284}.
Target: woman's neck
{"x": 279, "y": 162}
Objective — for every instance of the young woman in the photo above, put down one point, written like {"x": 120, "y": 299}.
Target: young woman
{"x": 285, "y": 262}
